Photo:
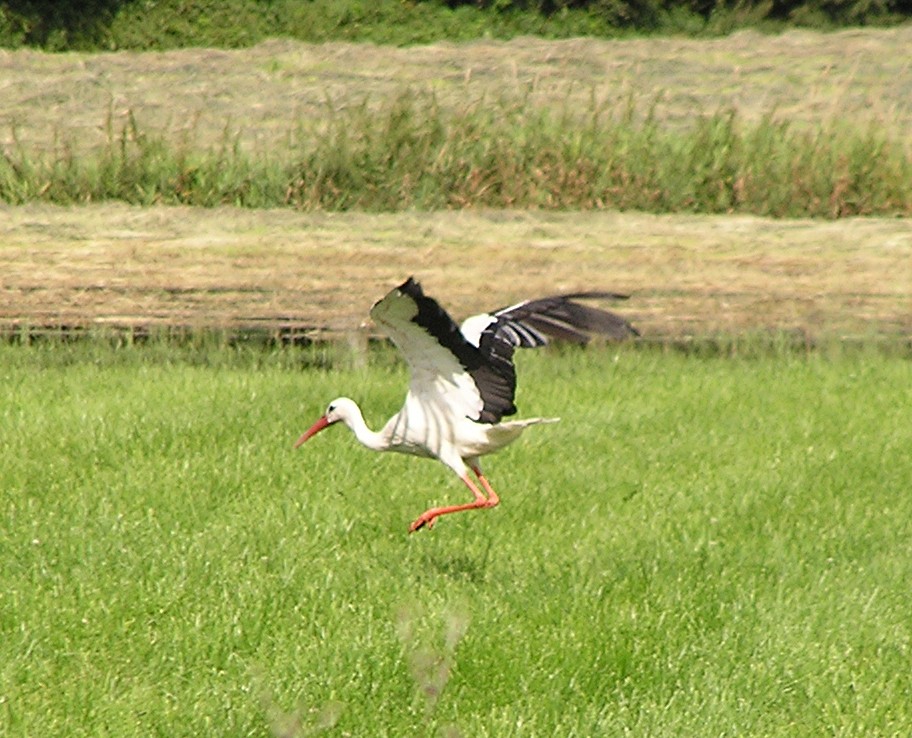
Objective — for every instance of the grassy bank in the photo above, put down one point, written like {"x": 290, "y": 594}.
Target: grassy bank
{"x": 411, "y": 153}
{"x": 726, "y": 559}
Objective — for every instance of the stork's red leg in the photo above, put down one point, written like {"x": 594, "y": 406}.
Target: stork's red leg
{"x": 493, "y": 499}
{"x": 428, "y": 517}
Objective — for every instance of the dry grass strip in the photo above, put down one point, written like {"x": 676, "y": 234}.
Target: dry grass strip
{"x": 112, "y": 265}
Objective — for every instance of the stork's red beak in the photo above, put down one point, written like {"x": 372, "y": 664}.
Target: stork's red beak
{"x": 322, "y": 423}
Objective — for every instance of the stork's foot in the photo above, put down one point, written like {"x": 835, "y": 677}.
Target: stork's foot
{"x": 428, "y": 517}
{"x": 425, "y": 521}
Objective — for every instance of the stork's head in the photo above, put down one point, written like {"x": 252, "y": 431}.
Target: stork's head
{"x": 341, "y": 408}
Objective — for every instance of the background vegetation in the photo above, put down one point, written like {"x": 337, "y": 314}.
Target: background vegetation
{"x": 161, "y": 24}
{"x": 412, "y": 154}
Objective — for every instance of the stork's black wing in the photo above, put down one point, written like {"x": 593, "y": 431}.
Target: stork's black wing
{"x": 530, "y": 323}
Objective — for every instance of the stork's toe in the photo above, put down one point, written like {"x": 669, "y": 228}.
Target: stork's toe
{"x": 421, "y": 522}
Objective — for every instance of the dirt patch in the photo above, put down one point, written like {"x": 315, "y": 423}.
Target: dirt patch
{"x": 319, "y": 273}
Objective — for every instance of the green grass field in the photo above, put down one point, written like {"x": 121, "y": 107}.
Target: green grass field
{"x": 703, "y": 547}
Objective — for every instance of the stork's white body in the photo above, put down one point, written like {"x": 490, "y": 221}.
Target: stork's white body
{"x": 423, "y": 428}
{"x": 462, "y": 380}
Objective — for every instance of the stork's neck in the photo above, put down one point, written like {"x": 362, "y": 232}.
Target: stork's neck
{"x": 366, "y": 437}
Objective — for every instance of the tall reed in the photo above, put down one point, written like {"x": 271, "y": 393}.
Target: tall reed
{"x": 412, "y": 153}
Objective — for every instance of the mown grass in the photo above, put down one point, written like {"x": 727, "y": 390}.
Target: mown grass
{"x": 703, "y": 546}
{"x": 411, "y": 153}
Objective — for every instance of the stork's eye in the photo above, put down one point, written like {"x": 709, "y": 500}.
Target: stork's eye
{"x": 330, "y": 409}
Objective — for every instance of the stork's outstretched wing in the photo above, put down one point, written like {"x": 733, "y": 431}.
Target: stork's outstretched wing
{"x": 532, "y": 323}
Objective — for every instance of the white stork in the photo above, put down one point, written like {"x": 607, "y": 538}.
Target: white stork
{"x": 463, "y": 380}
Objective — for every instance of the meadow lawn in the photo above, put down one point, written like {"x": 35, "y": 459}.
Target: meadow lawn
{"x": 704, "y": 546}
